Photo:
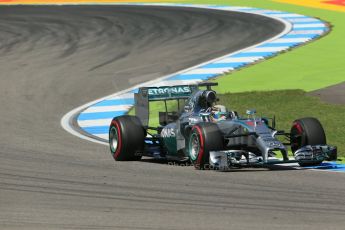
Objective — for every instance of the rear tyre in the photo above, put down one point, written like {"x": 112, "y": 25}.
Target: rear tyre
{"x": 307, "y": 131}
{"x": 126, "y": 138}
{"x": 203, "y": 138}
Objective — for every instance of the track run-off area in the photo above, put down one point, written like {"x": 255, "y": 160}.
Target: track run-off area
{"x": 56, "y": 58}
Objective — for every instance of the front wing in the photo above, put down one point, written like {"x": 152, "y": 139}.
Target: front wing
{"x": 228, "y": 159}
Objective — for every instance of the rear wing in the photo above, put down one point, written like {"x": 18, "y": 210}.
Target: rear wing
{"x": 163, "y": 93}
{"x": 168, "y": 92}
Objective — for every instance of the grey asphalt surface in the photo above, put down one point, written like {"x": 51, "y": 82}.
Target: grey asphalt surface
{"x": 334, "y": 94}
{"x": 53, "y": 59}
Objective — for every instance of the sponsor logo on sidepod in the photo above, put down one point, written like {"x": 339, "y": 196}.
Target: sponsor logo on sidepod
{"x": 168, "y": 132}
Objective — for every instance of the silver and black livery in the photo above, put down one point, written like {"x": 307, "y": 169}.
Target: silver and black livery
{"x": 210, "y": 135}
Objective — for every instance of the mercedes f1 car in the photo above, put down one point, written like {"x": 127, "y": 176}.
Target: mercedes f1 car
{"x": 211, "y": 136}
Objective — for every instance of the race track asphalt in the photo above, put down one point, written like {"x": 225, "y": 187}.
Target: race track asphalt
{"x": 334, "y": 94}
{"x": 55, "y": 58}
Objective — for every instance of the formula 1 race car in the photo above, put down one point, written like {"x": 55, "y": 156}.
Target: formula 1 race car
{"x": 209, "y": 135}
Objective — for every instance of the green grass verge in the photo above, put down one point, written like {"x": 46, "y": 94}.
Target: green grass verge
{"x": 286, "y": 105}
{"x": 310, "y": 67}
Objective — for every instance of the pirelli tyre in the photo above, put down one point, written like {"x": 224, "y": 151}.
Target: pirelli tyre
{"x": 126, "y": 138}
{"x": 203, "y": 138}
{"x": 307, "y": 131}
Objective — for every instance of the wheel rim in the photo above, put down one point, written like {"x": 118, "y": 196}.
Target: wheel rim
{"x": 194, "y": 146}
{"x": 113, "y": 139}
{"x": 296, "y": 139}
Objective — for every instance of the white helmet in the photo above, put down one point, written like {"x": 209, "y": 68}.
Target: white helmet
{"x": 218, "y": 113}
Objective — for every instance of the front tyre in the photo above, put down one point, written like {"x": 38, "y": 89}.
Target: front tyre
{"x": 203, "y": 138}
{"x": 126, "y": 138}
{"x": 307, "y": 131}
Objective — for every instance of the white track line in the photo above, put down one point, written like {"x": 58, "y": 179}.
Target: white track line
{"x": 267, "y": 49}
{"x": 305, "y": 32}
{"x": 92, "y": 123}
{"x": 208, "y": 71}
{"x": 309, "y": 25}
{"x": 239, "y": 59}
{"x": 96, "y": 109}
{"x": 292, "y": 40}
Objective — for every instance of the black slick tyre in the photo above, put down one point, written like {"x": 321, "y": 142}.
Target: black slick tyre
{"x": 203, "y": 138}
{"x": 307, "y": 131}
{"x": 126, "y": 138}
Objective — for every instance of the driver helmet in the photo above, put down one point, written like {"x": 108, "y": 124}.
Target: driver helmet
{"x": 218, "y": 113}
